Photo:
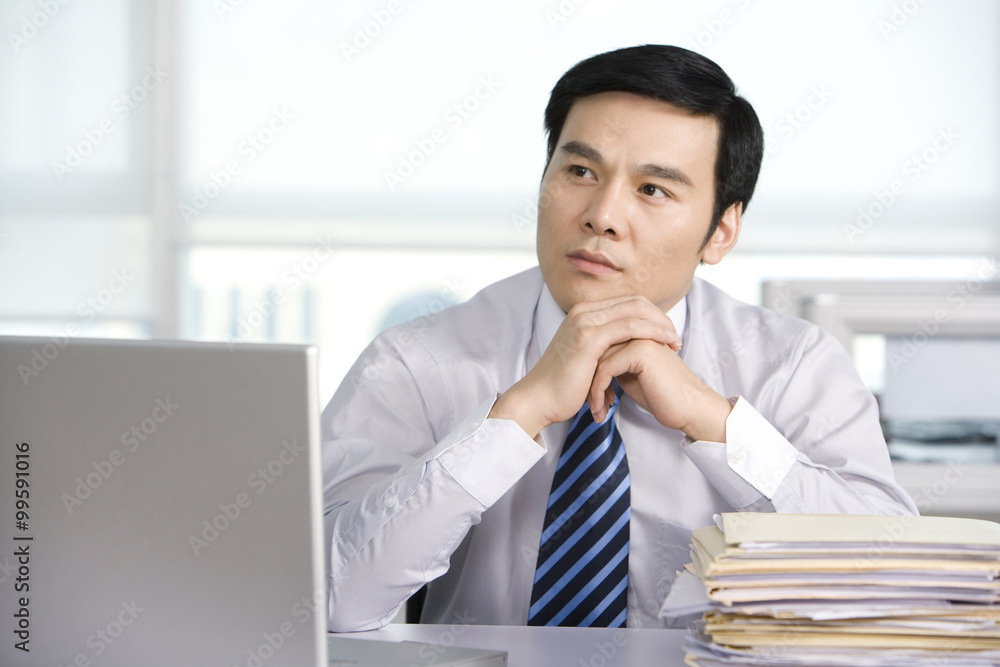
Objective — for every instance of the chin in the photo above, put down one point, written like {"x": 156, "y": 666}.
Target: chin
{"x": 569, "y": 297}
{"x": 569, "y": 287}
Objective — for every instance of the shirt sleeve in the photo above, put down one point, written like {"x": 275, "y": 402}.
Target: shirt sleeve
{"x": 819, "y": 450}
{"x": 397, "y": 501}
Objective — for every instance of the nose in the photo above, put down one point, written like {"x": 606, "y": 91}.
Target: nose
{"x": 606, "y": 213}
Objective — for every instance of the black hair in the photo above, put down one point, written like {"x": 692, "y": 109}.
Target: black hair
{"x": 685, "y": 79}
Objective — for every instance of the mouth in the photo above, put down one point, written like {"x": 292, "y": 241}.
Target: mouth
{"x": 594, "y": 263}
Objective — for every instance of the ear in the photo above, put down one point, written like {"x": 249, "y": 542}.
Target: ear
{"x": 725, "y": 235}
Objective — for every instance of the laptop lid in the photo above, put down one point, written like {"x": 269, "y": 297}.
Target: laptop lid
{"x": 160, "y": 504}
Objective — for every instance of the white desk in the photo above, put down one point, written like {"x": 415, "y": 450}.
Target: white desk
{"x": 550, "y": 647}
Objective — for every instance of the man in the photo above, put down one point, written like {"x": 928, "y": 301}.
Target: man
{"x": 444, "y": 447}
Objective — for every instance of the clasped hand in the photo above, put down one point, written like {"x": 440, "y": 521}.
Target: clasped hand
{"x": 625, "y": 337}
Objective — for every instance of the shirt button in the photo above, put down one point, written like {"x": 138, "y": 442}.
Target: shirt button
{"x": 389, "y": 501}
{"x": 736, "y": 457}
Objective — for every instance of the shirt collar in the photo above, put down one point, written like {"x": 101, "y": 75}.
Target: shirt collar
{"x": 548, "y": 317}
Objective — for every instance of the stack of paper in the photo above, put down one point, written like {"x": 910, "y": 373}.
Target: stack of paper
{"x": 795, "y": 589}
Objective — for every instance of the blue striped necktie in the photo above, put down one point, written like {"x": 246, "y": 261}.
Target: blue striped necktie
{"x": 581, "y": 578}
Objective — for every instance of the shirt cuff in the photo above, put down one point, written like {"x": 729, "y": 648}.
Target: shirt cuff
{"x": 754, "y": 460}
{"x": 489, "y": 455}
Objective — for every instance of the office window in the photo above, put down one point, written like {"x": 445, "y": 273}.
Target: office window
{"x": 75, "y": 165}
{"x": 207, "y": 148}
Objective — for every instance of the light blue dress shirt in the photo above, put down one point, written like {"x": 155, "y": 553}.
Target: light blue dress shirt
{"x": 419, "y": 486}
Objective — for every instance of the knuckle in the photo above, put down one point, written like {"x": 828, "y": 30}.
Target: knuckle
{"x": 582, "y": 335}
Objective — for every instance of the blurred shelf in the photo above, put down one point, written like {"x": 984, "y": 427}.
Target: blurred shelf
{"x": 952, "y": 489}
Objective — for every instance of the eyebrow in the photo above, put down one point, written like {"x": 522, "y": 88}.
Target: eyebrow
{"x": 655, "y": 170}
{"x": 582, "y": 150}
{"x": 666, "y": 173}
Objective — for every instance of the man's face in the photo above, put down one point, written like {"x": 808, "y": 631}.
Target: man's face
{"x": 626, "y": 201}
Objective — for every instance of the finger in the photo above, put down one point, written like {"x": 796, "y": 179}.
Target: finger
{"x": 620, "y": 360}
{"x": 626, "y": 362}
{"x": 603, "y": 401}
{"x": 618, "y": 306}
{"x": 587, "y": 306}
{"x": 611, "y": 350}
{"x": 605, "y": 336}
{"x": 631, "y": 310}
{"x": 600, "y": 386}
{"x": 601, "y": 396}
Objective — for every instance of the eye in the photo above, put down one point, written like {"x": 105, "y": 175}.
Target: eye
{"x": 651, "y": 190}
{"x": 580, "y": 172}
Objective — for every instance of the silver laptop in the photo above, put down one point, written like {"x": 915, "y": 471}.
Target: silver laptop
{"x": 160, "y": 504}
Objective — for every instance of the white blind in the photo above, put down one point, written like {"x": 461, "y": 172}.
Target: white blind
{"x": 886, "y": 107}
